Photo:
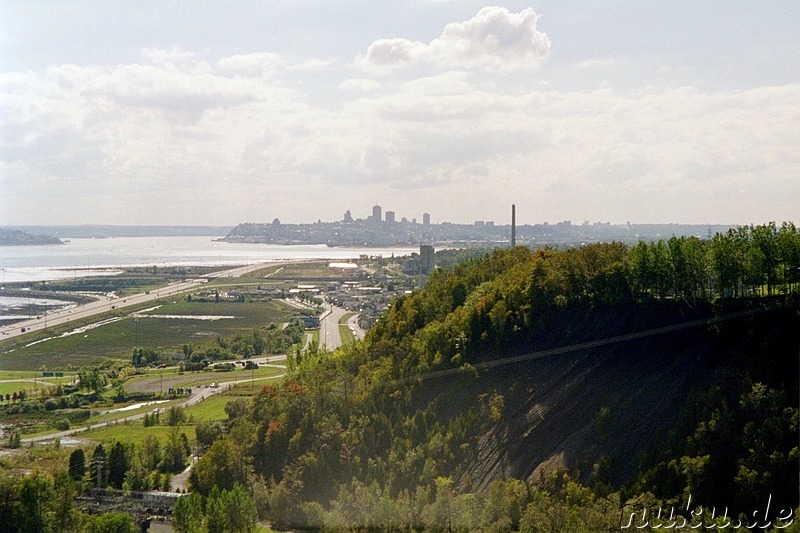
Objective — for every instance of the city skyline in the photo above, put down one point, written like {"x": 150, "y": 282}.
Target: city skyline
{"x": 198, "y": 113}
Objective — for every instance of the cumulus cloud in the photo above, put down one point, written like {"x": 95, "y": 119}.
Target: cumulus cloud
{"x": 494, "y": 39}
{"x": 160, "y": 56}
{"x": 258, "y": 62}
{"x": 360, "y": 84}
{"x": 596, "y": 63}
{"x": 130, "y": 136}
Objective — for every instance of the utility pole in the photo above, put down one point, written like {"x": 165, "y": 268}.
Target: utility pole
{"x": 513, "y": 225}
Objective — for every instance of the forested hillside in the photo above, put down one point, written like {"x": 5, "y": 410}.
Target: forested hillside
{"x": 542, "y": 390}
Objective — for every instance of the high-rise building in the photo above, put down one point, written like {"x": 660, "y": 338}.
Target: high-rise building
{"x": 427, "y": 259}
{"x": 426, "y": 219}
{"x": 377, "y": 213}
{"x": 390, "y": 217}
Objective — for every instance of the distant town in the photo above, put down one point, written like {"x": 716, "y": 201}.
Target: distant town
{"x": 379, "y": 229}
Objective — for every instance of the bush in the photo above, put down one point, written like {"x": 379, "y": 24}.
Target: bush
{"x": 176, "y": 415}
{"x": 62, "y": 424}
{"x": 14, "y": 440}
{"x": 51, "y": 404}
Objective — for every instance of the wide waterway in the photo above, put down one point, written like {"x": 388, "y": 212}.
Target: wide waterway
{"x": 83, "y": 257}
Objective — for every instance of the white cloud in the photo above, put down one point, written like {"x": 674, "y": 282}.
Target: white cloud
{"x": 495, "y": 39}
{"x": 596, "y": 63}
{"x": 360, "y": 84}
{"x": 115, "y": 141}
{"x": 266, "y": 63}
{"x": 313, "y": 65}
{"x": 159, "y": 56}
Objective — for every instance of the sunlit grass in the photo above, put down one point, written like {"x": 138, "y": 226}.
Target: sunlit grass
{"x": 135, "y": 432}
{"x": 116, "y": 340}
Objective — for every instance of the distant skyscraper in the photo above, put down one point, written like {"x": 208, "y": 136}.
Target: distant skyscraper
{"x": 427, "y": 259}
{"x": 390, "y": 217}
{"x": 426, "y": 219}
{"x": 377, "y": 213}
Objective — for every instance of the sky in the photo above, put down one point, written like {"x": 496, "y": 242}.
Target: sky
{"x": 221, "y": 112}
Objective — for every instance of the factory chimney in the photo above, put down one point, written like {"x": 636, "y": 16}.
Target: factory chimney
{"x": 513, "y": 225}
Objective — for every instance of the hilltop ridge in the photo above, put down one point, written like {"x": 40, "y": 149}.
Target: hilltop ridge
{"x": 587, "y": 376}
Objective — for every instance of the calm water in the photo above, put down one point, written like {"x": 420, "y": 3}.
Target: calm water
{"x": 82, "y": 257}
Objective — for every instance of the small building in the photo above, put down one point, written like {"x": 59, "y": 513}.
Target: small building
{"x": 310, "y": 322}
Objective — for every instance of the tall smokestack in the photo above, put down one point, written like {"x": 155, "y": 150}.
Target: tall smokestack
{"x": 513, "y": 225}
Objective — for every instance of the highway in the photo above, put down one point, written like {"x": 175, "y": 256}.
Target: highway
{"x": 105, "y": 303}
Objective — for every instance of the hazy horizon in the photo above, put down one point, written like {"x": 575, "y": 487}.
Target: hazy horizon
{"x": 214, "y": 113}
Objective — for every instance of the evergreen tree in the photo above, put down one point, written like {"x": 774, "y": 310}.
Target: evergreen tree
{"x": 117, "y": 465}
{"x": 77, "y": 464}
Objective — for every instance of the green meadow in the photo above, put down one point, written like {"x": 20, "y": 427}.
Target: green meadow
{"x": 135, "y": 432}
{"x": 164, "y": 329}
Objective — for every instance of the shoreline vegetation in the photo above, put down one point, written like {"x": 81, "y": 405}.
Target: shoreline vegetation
{"x": 15, "y": 237}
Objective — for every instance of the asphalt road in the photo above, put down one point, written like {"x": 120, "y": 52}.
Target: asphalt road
{"x": 329, "y": 336}
{"x": 106, "y": 304}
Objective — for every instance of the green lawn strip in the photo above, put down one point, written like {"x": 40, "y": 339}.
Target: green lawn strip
{"x": 28, "y": 386}
{"x": 344, "y": 330}
{"x": 135, "y": 432}
{"x": 318, "y": 271}
{"x": 346, "y": 333}
{"x": 153, "y": 382}
{"x": 19, "y": 374}
{"x": 345, "y": 317}
{"x": 31, "y": 387}
{"x": 212, "y": 408}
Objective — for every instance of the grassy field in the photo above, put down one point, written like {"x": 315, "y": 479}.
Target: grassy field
{"x": 311, "y": 270}
{"x": 28, "y": 386}
{"x": 135, "y": 432}
{"x": 10, "y": 387}
{"x": 211, "y": 409}
{"x": 158, "y": 381}
{"x": 149, "y": 330}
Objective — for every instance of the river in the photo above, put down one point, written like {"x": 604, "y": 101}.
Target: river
{"x": 83, "y": 257}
